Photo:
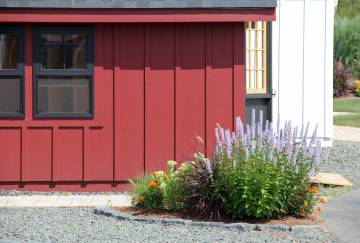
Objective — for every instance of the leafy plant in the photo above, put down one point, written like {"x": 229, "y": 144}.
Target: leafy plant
{"x": 262, "y": 173}
{"x": 161, "y": 189}
{"x": 147, "y": 193}
{"x": 342, "y": 80}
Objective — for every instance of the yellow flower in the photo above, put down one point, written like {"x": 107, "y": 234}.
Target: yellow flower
{"x": 306, "y": 203}
{"x": 142, "y": 199}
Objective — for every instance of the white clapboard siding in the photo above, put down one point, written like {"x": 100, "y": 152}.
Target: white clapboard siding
{"x": 302, "y": 40}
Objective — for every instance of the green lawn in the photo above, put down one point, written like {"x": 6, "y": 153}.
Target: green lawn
{"x": 347, "y": 105}
{"x": 349, "y": 120}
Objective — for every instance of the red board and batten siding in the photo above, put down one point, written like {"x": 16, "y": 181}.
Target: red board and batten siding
{"x": 158, "y": 88}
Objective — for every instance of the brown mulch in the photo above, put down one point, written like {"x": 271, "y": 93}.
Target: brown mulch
{"x": 312, "y": 219}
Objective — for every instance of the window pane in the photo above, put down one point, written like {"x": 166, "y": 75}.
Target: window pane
{"x": 10, "y": 95}
{"x": 63, "y": 94}
{"x": 8, "y": 51}
{"x": 75, "y": 58}
{"x": 52, "y": 57}
{"x": 51, "y": 38}
{"x": 76, "y": 39}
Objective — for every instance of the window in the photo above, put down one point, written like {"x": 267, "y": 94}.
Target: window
{"x": 11, "y": 72}
{"x": 256, "y": 56}
{"x": 63, "y": 72}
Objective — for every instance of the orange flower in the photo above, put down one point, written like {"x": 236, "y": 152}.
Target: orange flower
{"x": 306, "y": 203}
{"x": 142, "y": 199}
{"x": 153, "y": 183}
{"x": 302, "y": 211}
{"x": 315, "y": 190}
{"x": 308, "y": 190}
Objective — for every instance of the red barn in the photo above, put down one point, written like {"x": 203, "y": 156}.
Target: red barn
{"x": 95, "y": 92}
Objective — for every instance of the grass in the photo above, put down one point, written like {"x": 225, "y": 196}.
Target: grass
{"x": 347, "y": 105}
{"x": 349, "y": 120}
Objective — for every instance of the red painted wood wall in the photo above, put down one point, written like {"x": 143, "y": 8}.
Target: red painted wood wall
{"x": 158, "y": 89}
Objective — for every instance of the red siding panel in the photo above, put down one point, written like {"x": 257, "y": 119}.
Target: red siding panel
{"x": 159, "y": 99}
{"x": 157, "y": 87}
{"x": 10, "y": 154}
{"x": 129, "y": 101}
{"x": 190, "y": 90}
{"x": 38, "y": 165}
{"x": 219, "y": 80}
{"x": 68, "y": 161}
{"x": 99, "y": 135}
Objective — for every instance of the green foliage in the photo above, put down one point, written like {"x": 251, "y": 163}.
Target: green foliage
{"x": 348, "y": 120}
{"x": 348, "y": 8}
{"x": 347, "y": 43}
{"x": 161, "y": 189}
{"x": 147, "y": 193}
{"x": 259, "y": 188}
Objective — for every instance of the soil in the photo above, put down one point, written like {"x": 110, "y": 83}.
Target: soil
{"x": 349, "y": 96}
{"x": 312, "y": 219}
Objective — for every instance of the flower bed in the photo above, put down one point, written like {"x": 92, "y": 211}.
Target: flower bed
{"x": 256, "y": 172}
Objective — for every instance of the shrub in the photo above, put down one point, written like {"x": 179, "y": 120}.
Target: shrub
{"x": 262, "y": 173}
{"x": 342, "y": 80}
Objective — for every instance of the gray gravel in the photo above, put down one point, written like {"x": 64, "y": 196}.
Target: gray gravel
{"x": 82, "y": 225}
{"x": 345, "y": 160}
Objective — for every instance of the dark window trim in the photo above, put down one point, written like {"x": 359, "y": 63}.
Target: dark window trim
{"x": 16, "y": 73}
{"x": 38, "y": 72}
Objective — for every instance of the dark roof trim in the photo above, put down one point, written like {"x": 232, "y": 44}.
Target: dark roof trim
{"x": 144, "y": 4}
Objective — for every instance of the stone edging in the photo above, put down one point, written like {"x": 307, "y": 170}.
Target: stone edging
{"x": 244, "y": 227}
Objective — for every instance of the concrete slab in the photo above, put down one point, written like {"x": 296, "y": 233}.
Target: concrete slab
{"x": 351, "y": 134}
{"x": 342, "y": 216}
{"x": 65, "y": 201}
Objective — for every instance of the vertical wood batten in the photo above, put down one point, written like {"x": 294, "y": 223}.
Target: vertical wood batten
{"x": 129, "y": 101}
{"x": 160, "y": 97}
{"x": 239, "y": 71}
{"x": 190, "y": 92}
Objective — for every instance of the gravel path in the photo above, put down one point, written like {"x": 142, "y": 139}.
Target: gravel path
{"x": 82, "y": 225}
{"x": 345, "y": 160}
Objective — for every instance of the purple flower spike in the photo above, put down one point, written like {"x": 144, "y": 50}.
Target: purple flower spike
{"x": 261, "y": 119}
{"x": 238, "y": 125}
{"x": 217, "y": 136}
{"x": 246, "y": 153}
{"x": 222, "y": 135}
{"x": 306, "y": 132}
{"x": 295, "y": 132}
{"x": 295, "y": 155}
{"x": 301, "y": 131}
{"x": 253, "y": 118}
{"x": 314, "y": 136}
{"x": 228, "y": 143}
{"x": 278, "y": 125}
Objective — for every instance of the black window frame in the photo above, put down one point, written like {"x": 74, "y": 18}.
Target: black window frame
{"x": 38, "y": 72}
{"x": 15, "y": 73}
